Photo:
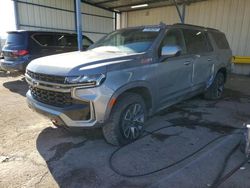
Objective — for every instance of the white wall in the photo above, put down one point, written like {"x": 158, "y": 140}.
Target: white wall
{"x": 229, "y": 16}
{"x": 35, "y": 17}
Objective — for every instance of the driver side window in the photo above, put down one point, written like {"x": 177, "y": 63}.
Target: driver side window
{"x": 173, "y": 37}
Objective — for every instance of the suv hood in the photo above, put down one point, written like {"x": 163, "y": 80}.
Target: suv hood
{"x": 79, "y": 63}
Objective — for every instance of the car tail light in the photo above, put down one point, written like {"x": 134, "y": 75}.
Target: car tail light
{"x": 20, "y": 52}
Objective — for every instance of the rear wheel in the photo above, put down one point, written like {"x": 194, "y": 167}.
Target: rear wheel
{"x": 215, "y": 91}
{"x": 126, "y": 121}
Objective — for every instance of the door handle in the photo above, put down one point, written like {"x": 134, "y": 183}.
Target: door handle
{"x": 187, "y": 63}
{"x": 209, "y": 59}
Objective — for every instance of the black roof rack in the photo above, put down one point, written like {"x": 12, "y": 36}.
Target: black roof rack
{"x": 190, "y": 25}
{"x": 213, "y": 29}
{"x": 197, "y": 26}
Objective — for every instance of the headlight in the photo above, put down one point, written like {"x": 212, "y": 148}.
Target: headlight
{"x": 87, "y": 80}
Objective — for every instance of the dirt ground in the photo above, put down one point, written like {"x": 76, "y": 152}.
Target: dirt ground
{"x": 194, "y": 146}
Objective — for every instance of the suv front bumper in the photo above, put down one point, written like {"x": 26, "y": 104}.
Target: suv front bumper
{"x": 98, "y": 99}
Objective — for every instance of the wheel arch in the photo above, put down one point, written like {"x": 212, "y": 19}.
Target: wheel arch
{"x": 141, "y": 88}
{"x": 223, "y": 70}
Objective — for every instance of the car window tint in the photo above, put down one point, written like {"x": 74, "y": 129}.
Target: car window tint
{"x": 45, "y": 39}
{"x": 196, "y": 41}
{"x": 71, "y": 41}
{"x": 66, "y": 40}
{"x": 220, "y": 40}
{"x": 173, "y": 37}
{"x": 86, "y": 42}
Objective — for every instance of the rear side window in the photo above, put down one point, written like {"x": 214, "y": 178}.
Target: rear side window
{"x": 86, "y": 42}
{"x": 196, "y": 41}
{"x": 71, "y": 41}
{"x": 45, "y": 39}
{"x": 66, "y": 40}
{"x": 220, "y": 40}
{"x": 16, "y": 38}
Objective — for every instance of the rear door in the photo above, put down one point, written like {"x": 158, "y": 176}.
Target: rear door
{"x": 175, "y": 73}
{"x": 199, "y": 47}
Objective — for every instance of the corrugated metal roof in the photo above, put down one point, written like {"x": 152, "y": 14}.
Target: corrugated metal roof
{"x": 126, "y": 5}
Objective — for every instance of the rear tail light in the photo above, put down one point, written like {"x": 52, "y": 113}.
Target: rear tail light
{"x": 20, "y": 52}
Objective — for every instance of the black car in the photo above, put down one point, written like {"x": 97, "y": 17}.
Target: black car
{"x": 23, "y": 46}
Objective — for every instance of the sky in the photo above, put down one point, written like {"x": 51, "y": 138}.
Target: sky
{"x": 7, "y": 21}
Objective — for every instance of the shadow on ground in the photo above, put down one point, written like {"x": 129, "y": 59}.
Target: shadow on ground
{"x": 56, "y": 146}
{"x": 18, "y": 86}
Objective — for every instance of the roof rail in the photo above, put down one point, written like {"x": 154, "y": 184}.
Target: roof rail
{"x": 202, "y": 27}
{"x": 189, "y": 25}
{"x": 213, "y": 29}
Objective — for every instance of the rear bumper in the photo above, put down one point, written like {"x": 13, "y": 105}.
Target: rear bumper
{"x": 13, "y": 65}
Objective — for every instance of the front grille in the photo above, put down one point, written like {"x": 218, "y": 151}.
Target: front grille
{"x": 46, "y": 77}
{"x": 53, "y": 98}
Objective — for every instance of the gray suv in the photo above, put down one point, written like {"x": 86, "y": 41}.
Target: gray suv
{"x": 127, "y": 76}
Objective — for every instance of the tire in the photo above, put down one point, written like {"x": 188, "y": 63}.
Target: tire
{"x": 127, "y": 119}
{"x": 215, "y": 91}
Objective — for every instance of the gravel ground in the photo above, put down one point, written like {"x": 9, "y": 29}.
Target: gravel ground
{"x": 35, "y": 154}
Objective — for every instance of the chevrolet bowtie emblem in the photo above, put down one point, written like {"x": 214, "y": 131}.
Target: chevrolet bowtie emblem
{"x": 34, "y": 83}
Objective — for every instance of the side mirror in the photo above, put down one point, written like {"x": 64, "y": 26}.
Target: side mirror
{"x": 170, "y": 51}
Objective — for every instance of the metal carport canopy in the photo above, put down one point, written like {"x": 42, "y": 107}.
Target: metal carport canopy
{"x": 119, "y": 6}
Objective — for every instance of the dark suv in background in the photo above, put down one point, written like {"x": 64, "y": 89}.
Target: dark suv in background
{"x": 23, "y": 46}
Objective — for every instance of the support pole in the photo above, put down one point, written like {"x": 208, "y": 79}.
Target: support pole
{"x": 79, "y": 24}
{"x": 183, "y": 12}
{"x": 115, "y": 21}
{"x": 16, "y": 12}
{"x": 178, "y": 10}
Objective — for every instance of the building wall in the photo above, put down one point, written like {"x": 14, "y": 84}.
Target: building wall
{"x": 229, "y": 16}
{"x": 58, "y": 15}
{"x": 166, "y": 14}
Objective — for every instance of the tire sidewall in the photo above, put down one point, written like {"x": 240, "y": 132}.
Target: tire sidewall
{"x": 211, "y": 92}
{"x": 117, "y": 114}
{"x": 217, "y": 85}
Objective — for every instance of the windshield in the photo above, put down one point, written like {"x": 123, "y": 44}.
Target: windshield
{"x": 128, "y": 40}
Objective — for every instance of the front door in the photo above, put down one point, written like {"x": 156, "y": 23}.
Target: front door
{"x": 174, "y": 73}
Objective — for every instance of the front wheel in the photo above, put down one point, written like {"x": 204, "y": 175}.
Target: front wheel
{"x": 215, "y": 91}
{"x": 126, "y": 121}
